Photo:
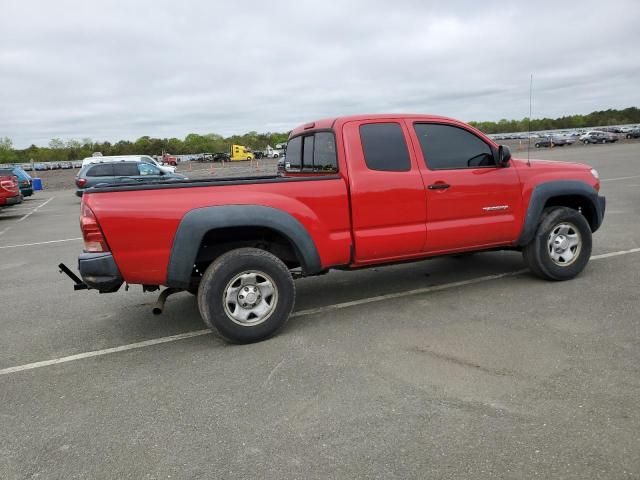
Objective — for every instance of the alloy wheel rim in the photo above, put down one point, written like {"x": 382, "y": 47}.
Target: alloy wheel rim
{"x": 564, "y": 244}
{"x": 250, "y": 298}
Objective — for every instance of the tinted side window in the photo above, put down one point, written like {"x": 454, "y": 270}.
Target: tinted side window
{"x": 293, "y": 159}
{"x": 324, "y": 153}
{"x": 148, "y": 169}
{"x": 385, "y": 147}
{"x": 446, "y": 147}
{"x": 307, "y": 153}
{"x": 100, "y": 170}
{"x": 126, "y": 169}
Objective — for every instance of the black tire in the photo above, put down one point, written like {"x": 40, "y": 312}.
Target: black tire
{"x": 537, "y": 145}
{"x": 586, "y": 142}
{"x": 603, "y": 141}
{"x": 216, "y": 280}
{"x": 628, "y": 136}
{"x": 537, "y": 253}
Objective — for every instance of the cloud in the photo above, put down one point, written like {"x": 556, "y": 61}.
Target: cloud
{"x": 119, "y": 70}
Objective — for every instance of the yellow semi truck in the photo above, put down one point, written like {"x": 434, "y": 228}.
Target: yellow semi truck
{"x": 240, "y": 152}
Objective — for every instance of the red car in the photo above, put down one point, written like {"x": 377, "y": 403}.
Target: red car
{"x": 9, "y": 189}
{"x": 355, "y": 192}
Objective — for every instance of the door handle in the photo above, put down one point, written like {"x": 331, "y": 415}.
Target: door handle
{"x": 438, "y": 186}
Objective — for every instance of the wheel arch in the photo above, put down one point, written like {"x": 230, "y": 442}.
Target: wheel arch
{"x": 200, "y": 222}
{"x": 563, "y": 193}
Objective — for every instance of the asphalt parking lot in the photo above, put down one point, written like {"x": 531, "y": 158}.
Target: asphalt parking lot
{"x": 447, "y": 368}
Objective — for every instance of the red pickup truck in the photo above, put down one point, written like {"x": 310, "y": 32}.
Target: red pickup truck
{"x": 356, "y": 191}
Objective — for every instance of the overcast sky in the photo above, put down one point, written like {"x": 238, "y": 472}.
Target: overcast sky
{"x": 114, "y": 70}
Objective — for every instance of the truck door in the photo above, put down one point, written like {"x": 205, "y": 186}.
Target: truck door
{"x": 471, "y": 201}
{"x": 388, "y": 198}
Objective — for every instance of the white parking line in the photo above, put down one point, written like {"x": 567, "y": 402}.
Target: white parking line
{"x": 35, "y": 210}
{"x": 301, "y": 313}
{"x": 106, "y": 351}
{"x": 41, "y": 243}
{"x": 619, "y": 178}
{"x": 26, "y": 216}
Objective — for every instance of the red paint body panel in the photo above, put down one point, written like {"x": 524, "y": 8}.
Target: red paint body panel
{"x": 363, "y": 217}
{"x": 140, "y": 225}
{"x": 9, "y": 190}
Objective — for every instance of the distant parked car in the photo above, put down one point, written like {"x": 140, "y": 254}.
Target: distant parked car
{"x": 27, "y": 167}
{"x": 76, "y": 164}
{"x": 221, "y": 157}
{"x": 635, "y": 133}
{"x": 66, "y": 165}
{"x": 551, "y": 141}
{"x": 597, "y": 136}
{"x": 128, "y": 158}
{"x": 24, "y": 181}
{"x": 40, "y": 166}
{"x": 120, "y": 172}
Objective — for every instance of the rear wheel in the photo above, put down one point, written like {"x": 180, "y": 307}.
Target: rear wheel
{"x": 246, "y": 295}
{"x": 586, "y": 142}
{"x": 537, "y": 145}
{"x": 561, "y": 247}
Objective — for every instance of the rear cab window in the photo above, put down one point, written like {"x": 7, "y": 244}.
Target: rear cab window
{"x": 385, "y": 148}
{"x": 314, "y": 152}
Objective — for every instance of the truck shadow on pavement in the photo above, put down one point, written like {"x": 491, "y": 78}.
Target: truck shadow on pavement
{"x": 181, "y": 311}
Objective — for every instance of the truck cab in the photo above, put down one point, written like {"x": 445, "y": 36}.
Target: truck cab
{"x": 240, "y": 152}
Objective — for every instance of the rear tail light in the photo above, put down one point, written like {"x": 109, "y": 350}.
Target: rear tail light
{"x": 94, "y": 240}
{"x": 8, "y": 183}
{"x": 81, "y": 182}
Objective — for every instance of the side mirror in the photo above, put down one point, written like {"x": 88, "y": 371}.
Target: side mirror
{"x": 504, "y": 155}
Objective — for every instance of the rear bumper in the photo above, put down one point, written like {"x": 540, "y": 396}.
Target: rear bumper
{"x": 11, "y": 200}
{"x": 100, "y": 272}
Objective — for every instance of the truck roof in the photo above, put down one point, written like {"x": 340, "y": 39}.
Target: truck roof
{"x": 327, "y": 123}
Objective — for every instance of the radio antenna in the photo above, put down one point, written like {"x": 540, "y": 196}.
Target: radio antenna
{"x": 529, "y": 120}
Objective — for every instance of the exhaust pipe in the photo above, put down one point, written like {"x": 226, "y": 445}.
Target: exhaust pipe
{"x": 162, "y": 298}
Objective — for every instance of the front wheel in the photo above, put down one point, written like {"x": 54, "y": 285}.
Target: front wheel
{"x": 561, "y": 247}
{"x": 246, "y": 295}
{"x": 586, "y": 142}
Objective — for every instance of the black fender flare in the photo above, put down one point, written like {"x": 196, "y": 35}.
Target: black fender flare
{"x": 197, "y": 222}
{"x": 544, "y": 191}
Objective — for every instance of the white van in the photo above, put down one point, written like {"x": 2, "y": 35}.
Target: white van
{"x": 129, "y": 158}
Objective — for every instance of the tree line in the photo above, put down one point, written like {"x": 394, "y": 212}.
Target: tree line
{"x": 59, "y": 150}
{"x": 600, "y": 118}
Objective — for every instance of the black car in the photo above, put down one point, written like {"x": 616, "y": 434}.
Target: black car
{"x": 221, "y": 157}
